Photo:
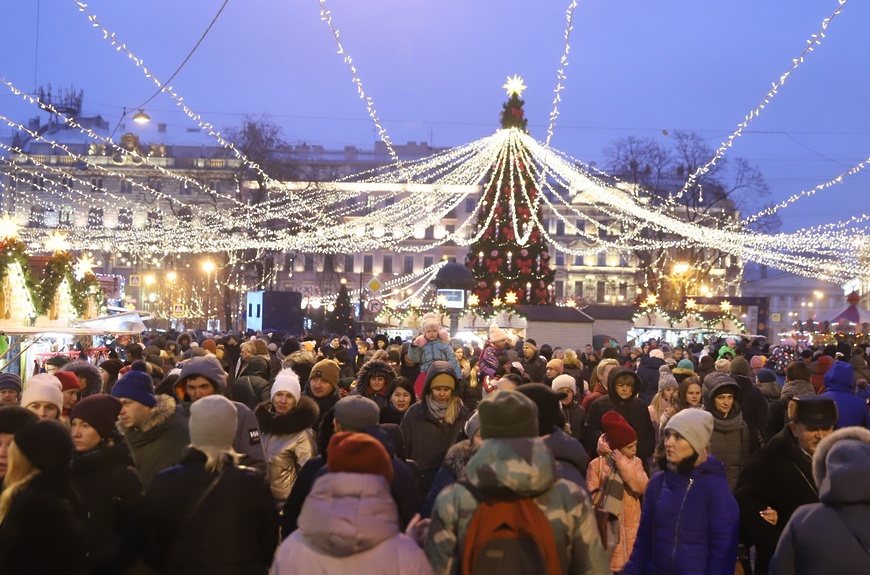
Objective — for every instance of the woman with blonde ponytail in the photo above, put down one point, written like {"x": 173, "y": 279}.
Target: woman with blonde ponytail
{"x": 207, "y": 514}
{"x": 41, "y": 528}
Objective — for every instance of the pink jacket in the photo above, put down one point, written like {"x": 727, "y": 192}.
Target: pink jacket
{"x": 635, "y": 479}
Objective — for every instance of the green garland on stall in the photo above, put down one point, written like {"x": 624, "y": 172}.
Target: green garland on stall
{"x": 14, "y": 251}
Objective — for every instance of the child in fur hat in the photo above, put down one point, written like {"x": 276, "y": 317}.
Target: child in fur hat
{"x": 432, "y": 345}
{"x": 488, "y": 363}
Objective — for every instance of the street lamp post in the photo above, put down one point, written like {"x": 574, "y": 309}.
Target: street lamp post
{"x": 170, "y": 278}
{"x": 208, "y": 266}
{"x": 149, "y": 282}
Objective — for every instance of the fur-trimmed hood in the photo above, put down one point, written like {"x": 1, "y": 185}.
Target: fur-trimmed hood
{"x": 796, "y": 387}
{"x": 159, "y": 415}
{"x": 841, "y": 465}
{"x": 458, "y": 456}
{"x": 303, "y": 416}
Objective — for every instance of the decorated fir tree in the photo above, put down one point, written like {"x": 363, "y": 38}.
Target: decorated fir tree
{"x": 341, "y": 319}
{"x": 511, "y": 263}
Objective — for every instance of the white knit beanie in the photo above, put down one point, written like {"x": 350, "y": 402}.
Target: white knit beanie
{"x": 213, "y": 421}
{"x": 43, "y": 392}
{"x": 563, "y": 381}
{"x": 42, "y": 378}
{"x": 287, "y": 380}
{"x": 695, "y": 426}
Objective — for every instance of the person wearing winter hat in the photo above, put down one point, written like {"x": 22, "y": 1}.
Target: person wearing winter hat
{"x": 778, "y": 478}
{"x": 689, "y": 519}
{"x": 488, "y": 363}
{"x": 840, "y": 386}
{"x": 753, "y": 408}
{"x": 41, "y": 525}
{"x": 89, "y": 376}
{"x": 533, "y": 364}
{"x": 373, "y": 382}
{"x": 432, "y": 345}
{"x": 109, "y": 372}
{"x": 624, "y": 488}
{"x": 70, "y": 387}
{"x": 352, "y": 499}
{"x": 649, "y": 374}
{"x": 664, "y": 400}
{"x": 288, "y": 438}
{"x": 572, "y": 411}
{"x": 203, "y": 377}
{"x": 686, "y": 364}
{"x": 830, "y": 536}
{"x": 756, "y": 363}
{"x": 10, "y": 389}
{"x": 356, "y": 413}
{"x": 730, "y": 441}
{"x": 571, "y": 459}
{"x": 44, "y": 399}
{"x": 231, "y": 531}
{"x": 513, "y": 460}
{"x": 432, "y": 425}
{"x": 555, "y": 368}
{"x": 103, "y": 475}
{"x": 12, "y": 418}
{"x": 156, "y": 433}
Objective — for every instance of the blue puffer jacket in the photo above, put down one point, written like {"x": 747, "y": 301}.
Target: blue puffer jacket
{"x": 840, "y": 386}
{"x": 688, "y": 524}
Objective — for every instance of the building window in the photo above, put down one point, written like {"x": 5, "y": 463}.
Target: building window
{"x": 66, "y": 182}
{"x": 560, "y": 228}
{"x": 155, "y": 184}
{"x": 600, "y": 291}
{"x": 51, "y": 217}
{"x": 214, "y": 186}
{"x": 185, "y": 214}
{"x": 348, "y": 264}
{"x": 125, "y": 219}
{"x": 450, "y": 228}
{"x": 97, "y": 185}
{"x": 470, "y": 204}
{"x": 578, "y": 288}
{"x": 95, "y": 218}
{"x": 578, "y": 260}
{"x": 623, "y": 290}
{"x": 559, "y": 289}
{"x": 428, "y": 262}
{"x": 309, "y": 263}
{"x": 37, "y": 217}
{"x": 368, "y": 264}
{"x": 602, "y": 259}
{"x": 37, "y": 182}
{"x": 67, "y": 217}
{"x": 430, "y": 233}
{"x": 408, "y": 267}
{"x": 560, "y": 258}
{"x": 126, "y": 187}
{"x": 388, "y": 264}
{"x": 389, "y": 201}
{"x": 155, "y": 219}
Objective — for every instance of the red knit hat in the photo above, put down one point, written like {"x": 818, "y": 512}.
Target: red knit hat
{"x": 619, "y": 432}
{"x": 352, "y": 452}
{"x": 68, "y": 380}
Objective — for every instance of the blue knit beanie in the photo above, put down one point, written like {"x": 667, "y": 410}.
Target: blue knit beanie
{"x": 137, "y": 385}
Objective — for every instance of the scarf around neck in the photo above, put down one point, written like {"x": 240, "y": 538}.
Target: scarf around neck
{"x": 438, "y": 409}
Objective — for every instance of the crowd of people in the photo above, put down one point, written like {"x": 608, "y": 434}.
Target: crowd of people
{"x": 263, "y": 453}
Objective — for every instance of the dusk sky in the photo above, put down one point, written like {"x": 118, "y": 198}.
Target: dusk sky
{"x": 435, "y": 69}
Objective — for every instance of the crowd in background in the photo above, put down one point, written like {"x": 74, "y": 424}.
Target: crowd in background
{"x": 237, "y": 453}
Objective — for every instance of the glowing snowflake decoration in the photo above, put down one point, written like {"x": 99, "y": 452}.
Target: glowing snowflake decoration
{"x": 84, "y": 266}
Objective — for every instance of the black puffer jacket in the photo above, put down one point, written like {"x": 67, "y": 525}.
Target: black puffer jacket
{"x": 234, "y": 530}
{"x": 648, "y": 372}
{"x": 110, "y": 490}
{"x": 253, "y": 386}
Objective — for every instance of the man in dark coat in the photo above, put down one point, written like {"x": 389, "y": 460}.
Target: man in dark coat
{"x": 778, "y": 478}
{"x": 648, "y": 372}
{"x": 534, "y": 365}
{"x": 754, "y": 406}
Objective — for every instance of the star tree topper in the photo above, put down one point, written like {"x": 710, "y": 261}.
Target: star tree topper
{"x": 514, "y": 86}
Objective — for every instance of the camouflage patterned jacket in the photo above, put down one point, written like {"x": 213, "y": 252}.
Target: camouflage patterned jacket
{"x": 523, "y": 466}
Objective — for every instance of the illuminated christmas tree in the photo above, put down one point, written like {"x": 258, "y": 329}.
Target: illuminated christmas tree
{"x": 341, "y": 320}
{"x": 510, "y": 261}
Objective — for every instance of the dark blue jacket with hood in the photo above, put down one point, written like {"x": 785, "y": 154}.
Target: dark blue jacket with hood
{"x": 840, "y": 386}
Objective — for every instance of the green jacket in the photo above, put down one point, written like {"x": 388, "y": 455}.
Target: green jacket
{"x": 525, "y": 467}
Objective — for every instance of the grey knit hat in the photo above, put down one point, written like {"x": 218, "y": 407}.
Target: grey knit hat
{"x": 666, "y": 378}
{"x": 695, "y": 426}
{"x": 213, "y": 422}
{"x": 355, "y": 413}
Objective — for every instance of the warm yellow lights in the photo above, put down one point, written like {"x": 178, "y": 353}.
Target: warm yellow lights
{"x": 681, "y": 267}
{"x": 473, "y": 300}
{"x": 725, "y": 306}
{"x": 57, "y": 243}
{"x": 514, "y": 85}
{"x": 510, "y": 298}
{"x": 8, "y": 227}
{"x": 83, "y": 266}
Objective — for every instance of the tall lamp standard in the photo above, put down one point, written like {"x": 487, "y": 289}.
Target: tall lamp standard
{"x": 150, "y": 280}
{"x": 208, "y": 266}
{"x": 170, "y": 278}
